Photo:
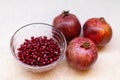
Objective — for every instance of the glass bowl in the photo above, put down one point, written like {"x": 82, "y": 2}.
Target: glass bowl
{"x": 37, "y": 29}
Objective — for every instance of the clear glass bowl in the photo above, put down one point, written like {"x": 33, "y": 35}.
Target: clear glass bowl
{"x": 36, "y": 30}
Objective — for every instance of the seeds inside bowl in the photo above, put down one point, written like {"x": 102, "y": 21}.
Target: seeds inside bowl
{"x": 39, "y": 51}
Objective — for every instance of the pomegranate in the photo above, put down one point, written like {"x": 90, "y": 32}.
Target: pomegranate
{"x": 69, "y": 24}
{"x": 98, "y": 30}
{"x": 81, "y": 53}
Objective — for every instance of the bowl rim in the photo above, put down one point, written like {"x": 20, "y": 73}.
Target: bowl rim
{"x": 37, "y": 67}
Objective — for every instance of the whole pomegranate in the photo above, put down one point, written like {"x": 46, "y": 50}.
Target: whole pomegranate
{"x": 69, "y": 24}
{"x": 81, "y": 53}
{"x": 98, "y": 30}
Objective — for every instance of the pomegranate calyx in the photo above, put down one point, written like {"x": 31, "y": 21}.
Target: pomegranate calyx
{"x": 102, "y": 19}
{"x": 65, "y": 13}
{"x": 86, "y": 45}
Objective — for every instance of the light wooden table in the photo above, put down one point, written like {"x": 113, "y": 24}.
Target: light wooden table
{"x": 16, "y": 13}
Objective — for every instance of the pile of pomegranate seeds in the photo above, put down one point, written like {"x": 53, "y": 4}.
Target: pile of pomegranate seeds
{"x": 39, "y": 51}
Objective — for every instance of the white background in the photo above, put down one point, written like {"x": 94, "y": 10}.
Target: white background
{"x": 16, "y": 13}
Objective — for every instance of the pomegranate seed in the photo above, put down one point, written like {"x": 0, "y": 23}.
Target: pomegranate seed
{"x": 51, "y": 60}
{"x": 43, "y": 63}
{"x": 39, "y": 51}
{"x": 39, "y": 64}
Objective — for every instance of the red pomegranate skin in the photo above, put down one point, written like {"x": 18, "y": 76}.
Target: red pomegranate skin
{"x": 81, "y": 55}
{"x": 69, "y": 25}
{"x": 98, "y": 30}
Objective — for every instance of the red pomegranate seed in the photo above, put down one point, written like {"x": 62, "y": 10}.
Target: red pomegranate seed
{"x": 39, "y": 51}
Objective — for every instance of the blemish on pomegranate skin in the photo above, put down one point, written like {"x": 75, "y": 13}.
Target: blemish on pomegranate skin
{"x": 39, "y": 51}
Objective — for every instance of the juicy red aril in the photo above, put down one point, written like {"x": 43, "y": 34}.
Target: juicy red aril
{"x": 39, "y": 51}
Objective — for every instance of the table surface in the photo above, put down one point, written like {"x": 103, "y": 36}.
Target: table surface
{"x": 16, "y": 13}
